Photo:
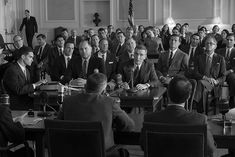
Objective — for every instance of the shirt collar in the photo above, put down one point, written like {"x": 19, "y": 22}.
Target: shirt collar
{"x": 83, "y": 59}
{"x": 21, "y": 67}
{"x": 100, "y": 54}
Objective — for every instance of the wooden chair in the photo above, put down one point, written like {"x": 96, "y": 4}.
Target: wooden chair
{"x": 189, "y": 102}
{"x": 174, "y": 140}
{"x": 73, "y": 138}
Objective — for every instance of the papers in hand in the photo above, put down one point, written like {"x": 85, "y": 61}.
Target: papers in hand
{"x": 26, "y": 120}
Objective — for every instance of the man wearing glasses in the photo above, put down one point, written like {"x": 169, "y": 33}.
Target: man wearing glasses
{"x": 209, "y": 73}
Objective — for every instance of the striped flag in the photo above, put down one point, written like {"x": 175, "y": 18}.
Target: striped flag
{"x": 131, "y": 14}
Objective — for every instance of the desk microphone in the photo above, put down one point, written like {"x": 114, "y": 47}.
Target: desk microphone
{"x": 60, "y": 98}
{"x": 44, "y": 101}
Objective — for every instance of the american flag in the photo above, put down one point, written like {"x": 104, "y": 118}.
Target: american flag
{"x": 131, "y": 14}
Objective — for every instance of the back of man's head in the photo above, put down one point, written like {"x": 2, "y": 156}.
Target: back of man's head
{"x": 179, "y": 89}
{"x": 96, "y": 83}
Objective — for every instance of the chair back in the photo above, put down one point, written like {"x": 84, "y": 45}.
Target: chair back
{"x": 73, "y": 138}
{"x": 189, "y": 102}
{"x": 174, "y": 140}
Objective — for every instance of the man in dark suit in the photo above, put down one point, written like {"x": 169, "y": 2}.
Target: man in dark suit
{"x": 108, "y": 58}
{"x": 193, "y": 50}
{"x": 55, "y": 52}
{"x": 179, "y": 90}
{"x": 74, "y": 38}
{"x": 31, "y": 27}
{"x": 209, "y": 71}
{"x": 128, "y": 53}
{"x": 104, "y": 109}
{"x": 82, "y": 66}
{"x": 119, "y": 47}
{"x": 95, "y": 44}
{"x": 41, "y": 55}
{"x": 172, "y": 62}
{"x": 62, "y": 62}
{"x": 10, "y": 131}
{"x": 16, "y": 81}
{"x": 229, "y": 54}
{"x": 139, "y": 73}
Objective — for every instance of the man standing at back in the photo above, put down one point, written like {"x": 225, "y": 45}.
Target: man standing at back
{"x": 179, "y": 90}
{"x": 31, "y": 27}
{"x": 94, "y": 106}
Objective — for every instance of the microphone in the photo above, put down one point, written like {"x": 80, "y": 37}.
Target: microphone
{"x": 44, "y": 101}
{"x": 60, "y": 98}
{"x": 132, "y": 89}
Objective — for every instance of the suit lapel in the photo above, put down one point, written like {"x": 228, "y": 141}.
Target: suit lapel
{"x": 142, "y": 71}
{"x": 21, "y": 72}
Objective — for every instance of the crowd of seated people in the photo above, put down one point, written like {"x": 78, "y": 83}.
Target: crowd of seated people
{"x": 209, "y": 58}
{"x": 179, "y": 52}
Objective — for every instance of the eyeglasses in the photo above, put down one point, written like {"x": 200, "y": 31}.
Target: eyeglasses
{"x": 210, "y": 43}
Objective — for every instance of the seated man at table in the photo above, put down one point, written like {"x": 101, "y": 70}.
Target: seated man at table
{"x": 179, "y": 90}
{"x": 11, "y": 131}
{"x": 81, "y": 67}
{"x": 139, "y": 73}
{"x": 172, "y": 62}
{"x": 17, "y": 83}
{"x": 104, "y": 108}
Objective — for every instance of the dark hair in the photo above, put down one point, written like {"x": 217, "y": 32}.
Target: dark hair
{"x": 23, "y": 51}
{"x": 96, "y": 82}
{"x": 64, "y": 29}
{"x": 141, "y": 47}
{"x": 186, "y": 24}
{"x": 101, "y": 29}
{"x": 68, "y": 42}
{"x": 121, "y": 33}
{"x": 179, "y": 89}
{"x": 42, "y": 36}
{"x": 226, "y": 31}
{"x": 59, "y": 36}
{"x": 27, "y": 11}
{"x": 230, "y": 35}
{"x": 110, "y": 26}
{"x": 175, "y": 35}
{"x": 210, "y": 37}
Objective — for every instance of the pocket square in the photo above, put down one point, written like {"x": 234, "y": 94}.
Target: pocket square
{"x": 110, "y": 62}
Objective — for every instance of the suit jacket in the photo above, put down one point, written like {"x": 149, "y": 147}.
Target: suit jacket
{"x": 78, "y": 40}
{"x": 178, "y": 65}
{"x": 178, "y": 115}
{"x": 74, "y": 69}
{"x": 217, "y": 70}
{"x": 230, "y": 62}
{"x": 52, "y": 56}
{"x": 96, "y": 107}
{"x": 110, "y": 65}
{"x": 123, "y": 59}
{"x": 31, "y": 26}
{"x": 44, "y": 56}
{"x": 59, "y": 68}
{"x": 147, "y": 73}
{"x": 18, "y": 88}
{"x": 197, "y": 52}
{"x": 9, "y": 131}
{"x": 115, "y": 48}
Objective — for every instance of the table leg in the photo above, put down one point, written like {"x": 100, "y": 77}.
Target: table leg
{"x": 40, "y": 146}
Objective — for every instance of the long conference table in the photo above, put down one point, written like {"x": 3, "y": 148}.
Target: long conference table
{"x": 35, "y": 130}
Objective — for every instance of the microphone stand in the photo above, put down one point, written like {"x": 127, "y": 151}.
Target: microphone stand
{"x": 132, "y": 88}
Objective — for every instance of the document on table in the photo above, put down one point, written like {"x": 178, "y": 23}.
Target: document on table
{"x": 26, "y": 120}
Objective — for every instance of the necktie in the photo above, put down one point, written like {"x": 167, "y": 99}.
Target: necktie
{"x": 25, "y": 74}
{"x": 84, "y": 67}
{"x": 171, "y": 57}
{"x": 103, "y": 58}
{"x": 136, "y": 75}
{"x": 208, "y": 65}
{"x": 68, "y": 60}
{"x": 191, "y": 54}
{"x": 40, "y": 52}
{"x": 74, "y": 41}
{"x": 118, "y": 49}
{"x": 60, "y": 51}
{"x": 227, "y": 53}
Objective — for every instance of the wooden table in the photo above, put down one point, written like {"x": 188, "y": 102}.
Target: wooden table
{"x": 148, "y": 98}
